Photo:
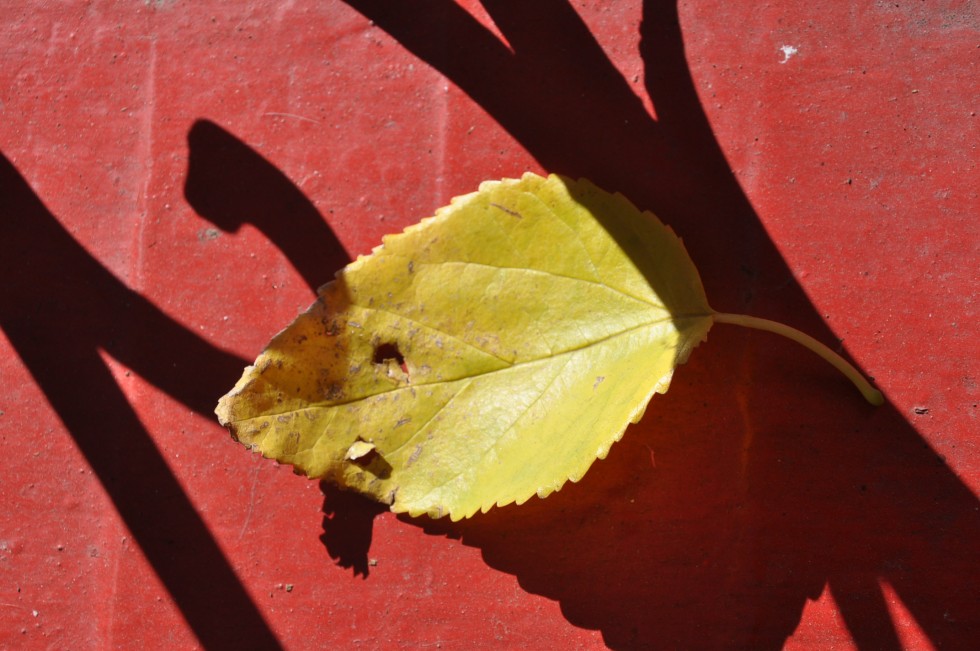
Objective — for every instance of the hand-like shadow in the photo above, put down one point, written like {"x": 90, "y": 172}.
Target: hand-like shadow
{"x": 230, "y": 185}
{"x": 755, "y": 506}
{"x": 60, "y": 307}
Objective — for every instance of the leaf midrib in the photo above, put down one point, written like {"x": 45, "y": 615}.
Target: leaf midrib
{"x": 328, "y": 405}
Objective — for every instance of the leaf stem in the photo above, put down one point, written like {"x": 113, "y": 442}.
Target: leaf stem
{"x": 870, "y": 394}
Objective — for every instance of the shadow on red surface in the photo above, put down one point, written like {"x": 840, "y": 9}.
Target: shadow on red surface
{"x": 348, "y": 526}
{"x": 60, "y": 307}
{"x": 230, "y": 185}
{"x": 850, "y": 501}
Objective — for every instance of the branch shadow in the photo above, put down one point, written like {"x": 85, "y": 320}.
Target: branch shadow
{"x": 722, "y": 545}
{"x": 60, "y": 307}
{"x": 764, "y": 504}
{"x": 229, "y": 184}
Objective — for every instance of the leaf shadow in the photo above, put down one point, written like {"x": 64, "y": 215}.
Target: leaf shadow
{"x": 348, "y": 527}
{"x": 767, "y": 500}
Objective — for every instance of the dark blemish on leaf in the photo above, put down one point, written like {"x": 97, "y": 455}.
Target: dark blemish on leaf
{"x": 283, "y": 418}
{"x": 403, "y": 421}
{"x": 415, "y": 455}
{"x": 411, "y": 266}
{"x": 513, "y": 213}
{"x": 598, "y": 381}
{"x": 291, "y": 444}
{"x": 333, "y": 392}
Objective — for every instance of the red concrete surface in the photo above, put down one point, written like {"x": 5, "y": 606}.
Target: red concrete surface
{"x": 177, "y": 177}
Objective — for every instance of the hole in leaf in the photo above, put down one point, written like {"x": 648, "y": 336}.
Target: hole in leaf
{"x": 360, "y": 452}
{"x": 364, "y": 454}
{"x": 385, "y": 352}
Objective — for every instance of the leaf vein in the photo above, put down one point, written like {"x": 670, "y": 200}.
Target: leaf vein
{"x": 510, "y": 427}
{"x": 547, "y": 273}
{"x": 570, "y": 351}
{"x": 429, "y": 420}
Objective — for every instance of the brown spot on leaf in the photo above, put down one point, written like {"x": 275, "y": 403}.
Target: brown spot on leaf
{"x": 333, "y": 391}
{"x": 291, "y": 444}
{"x": 415, "y": 455}
{"x": 507, "y": 210}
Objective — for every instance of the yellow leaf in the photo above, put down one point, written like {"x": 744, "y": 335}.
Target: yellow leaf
{"x": 490, "y": 353}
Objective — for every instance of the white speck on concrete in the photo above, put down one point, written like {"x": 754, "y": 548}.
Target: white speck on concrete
{"x": 788, "y": 52}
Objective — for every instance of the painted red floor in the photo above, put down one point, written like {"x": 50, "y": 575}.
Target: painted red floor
{"x": 177, "y": 178}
